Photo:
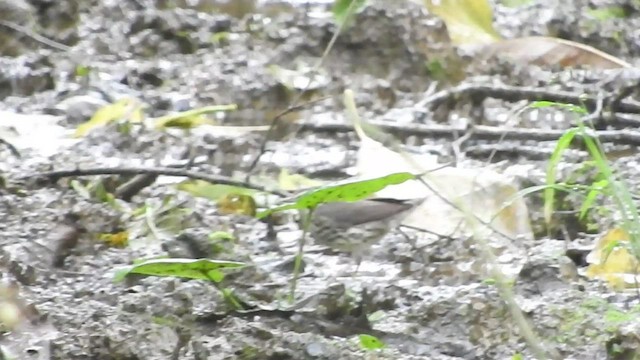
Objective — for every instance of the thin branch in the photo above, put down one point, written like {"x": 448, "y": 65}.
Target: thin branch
{"x": 517, "y": 93}
{"x": 11, "y": 148}
{"x": 274, "y": 122}
{"x": 484, "y": 151}
{"x": 294, "y": 103}
{"x": 167, "y": 171}
{"x": 480, "y": 132}
{"x": 39, "y": 38}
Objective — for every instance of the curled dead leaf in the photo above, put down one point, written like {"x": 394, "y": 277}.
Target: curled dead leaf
{"x": 549, "y": 51}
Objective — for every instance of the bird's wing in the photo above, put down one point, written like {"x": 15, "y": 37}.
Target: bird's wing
{"x": 347, "y": 214}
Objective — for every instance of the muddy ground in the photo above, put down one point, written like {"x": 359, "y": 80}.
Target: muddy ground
{"x": 178, "y": 55}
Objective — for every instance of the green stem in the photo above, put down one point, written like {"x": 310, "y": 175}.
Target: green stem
{"x": 298, "y": 261}
{"x": 227, "y": 293}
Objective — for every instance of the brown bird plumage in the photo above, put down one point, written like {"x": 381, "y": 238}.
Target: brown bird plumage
{"x": 354, "y": 226}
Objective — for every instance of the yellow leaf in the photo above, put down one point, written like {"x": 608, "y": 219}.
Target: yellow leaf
{"x": 137, "y": 115}
{"x": 191, "y": 118}
{"x": 126, "y": 109}
{"x": 213, "y": 192}
{"x": 120, "y": 239}
{"x": 237, "y": 204}
{"x": 611, "y": 261}
{"x": 468, "y": 21}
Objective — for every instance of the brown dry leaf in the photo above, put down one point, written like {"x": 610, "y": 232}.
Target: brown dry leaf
{"x": 468, "y": 21}
{"x": 611, "y": 261}
{"x": 541, "y": 50}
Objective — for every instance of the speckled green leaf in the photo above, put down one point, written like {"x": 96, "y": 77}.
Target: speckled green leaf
{"x": 204, "y": 269}
{"x": 369, "y": 342}
{"x": 345, "y": 192}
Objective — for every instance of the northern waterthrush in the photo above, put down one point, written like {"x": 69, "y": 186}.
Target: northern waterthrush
{"x": 354, "y": 226}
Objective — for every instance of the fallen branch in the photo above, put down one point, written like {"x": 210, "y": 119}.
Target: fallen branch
{"x": 480, "y": 132}
{"x": 167, "y": 171}
{"x": 37, "y": 37}
{"x": 273, "y": 125}
{"x": 518, "y": 93}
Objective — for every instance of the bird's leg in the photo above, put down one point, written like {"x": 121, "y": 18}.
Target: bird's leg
{"x": 410, "y": 239}
{"x": 191, "y": 155}
{"x": 358, "y": 259}
{"x": 362, "y": 319}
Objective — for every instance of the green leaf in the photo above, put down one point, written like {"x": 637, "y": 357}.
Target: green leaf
{"x": 162, "y": 320}
{"x": 489, "y": 281}
{"x": 121, "y": 273}
{"x": 81, "y": 189}
{"x": 191, "y": 118}
{"x": 616, "y": 316}
{"x": 612, "y": 245}
{"x": 125, "y": 109}
{"x": 369, "y": 342}
{"x": 621, "y": 195}
{"x": 345, "y": 192}
{"x": 231, "y": 298}
{"x": 608, "y": 13}
{"x": 341, "y": 11}
{"x": 552, "y": 170}
{"x": 515, "y": 3}
{"x": 436, "y": 69}
{"x": 580, "y": 110}
{"x": 221, "y": 236}
{"x": 376, "y": 316}
{"x": 595, "y": 189}
{"x": 220, "y": 37}
{"x": 82, "y": 70}
{"x": 203, "y": 269}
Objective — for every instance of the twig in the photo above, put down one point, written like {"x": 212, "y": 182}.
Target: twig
{"x": 39, "y": 38}
{"x": 11, "y": 148}
{"x": 622, "y": 94}
{"x": 167, "y": 171}
{"x": 274, "y": 122}
{"x": 480, "y": 132}
{"x": 491, "y": 151}
{"x": 516, "y": 93}
{"x": 294, "y": 103}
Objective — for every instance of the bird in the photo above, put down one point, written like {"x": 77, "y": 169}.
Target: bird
{"x": 353, "y": 227}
